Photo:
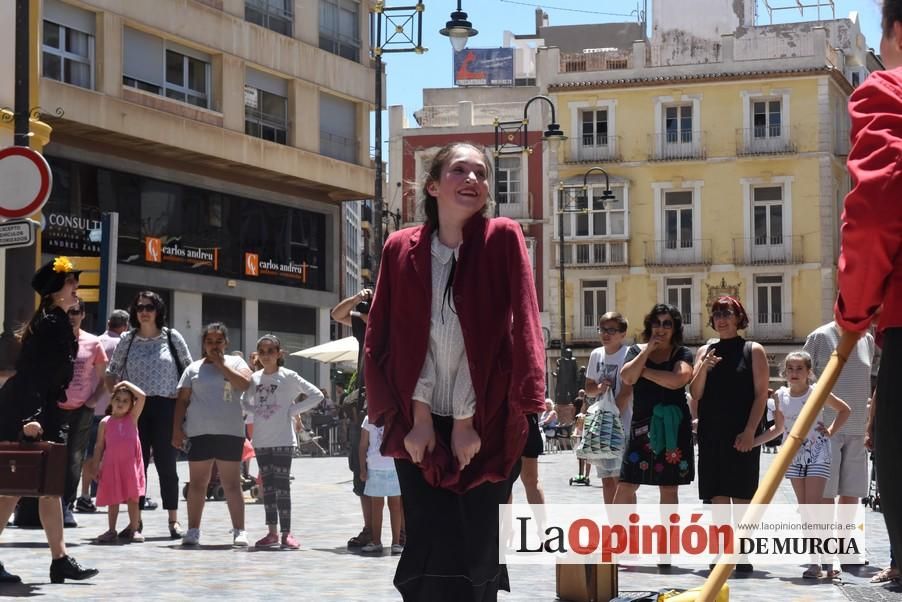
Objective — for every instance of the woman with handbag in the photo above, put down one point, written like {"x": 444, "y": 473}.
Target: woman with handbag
{"x": 28, "y": 400}
{"x": 153, "y": 357}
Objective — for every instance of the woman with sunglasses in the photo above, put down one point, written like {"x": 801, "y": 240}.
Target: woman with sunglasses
{"x": 152, "y": 356}
{"x": 729, "y": 389}
{"x": 659, "y": 451}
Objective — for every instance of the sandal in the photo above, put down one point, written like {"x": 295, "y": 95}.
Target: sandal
{"x": 175, "y": 530}
{"x": 890, "y": 573}
{"x": 361, "y": 539}
{"x": 107, "y": 536}
{"x": 813, "y": 573}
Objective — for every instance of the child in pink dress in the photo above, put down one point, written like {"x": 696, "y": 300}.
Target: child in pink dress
{"x": 121, "y": 476}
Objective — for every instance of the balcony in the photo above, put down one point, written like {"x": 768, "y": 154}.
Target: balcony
{"x": 514, "y": 210}
{"x": 676, "y": 146}
{"x": 593, "y": 149}
{"x": 581, "y": 62}
{"x": 768, "y": 250}
{"x": 592, "y": 254}
{"x": 766, "y": 140}
{"x": 773, "y": 326}
{"x": 677, "y": 252}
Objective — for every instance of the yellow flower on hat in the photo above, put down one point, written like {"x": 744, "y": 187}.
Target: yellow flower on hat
{"x": 62, "y": 265}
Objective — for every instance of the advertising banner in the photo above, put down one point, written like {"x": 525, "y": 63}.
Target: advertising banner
{"x": 484, "y": 67}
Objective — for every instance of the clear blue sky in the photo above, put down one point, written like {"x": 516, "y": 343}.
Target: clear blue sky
{"x": 409, "y": 73}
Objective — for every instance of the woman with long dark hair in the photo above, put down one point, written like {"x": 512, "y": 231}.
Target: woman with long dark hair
{"x": 454, "y": 364}
{"x": 153, "y": 356}
{"x": 28, "y": 400}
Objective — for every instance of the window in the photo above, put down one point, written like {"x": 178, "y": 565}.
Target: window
{"x": 509, "y": 180}
{"x": 595, "y": 303}
{"x": 337, "y": 128}
{"x": 678, "y": 292}
{"x": 767, "y": 118}
{"x": 678, "y": 232}
{"x": 678, "y": 124}
{"x": 767, "y": 215}
{"x": 277, "y": 15}
{"x": 266, "y": 107}
{"x": 339, "y": 28}
{"x": 68, "y": 44}
{"x": 594, "y": 127}
{"x": 162, "y": 67}
{"x": 585, "y": 215}
{"x": 769, "y": 299}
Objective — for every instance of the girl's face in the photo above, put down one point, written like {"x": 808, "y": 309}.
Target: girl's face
{"x": 215, "y": 342}
{"x": 662, "y": 327}
{"x": 268, "y": 355}
{"x": 121, "y": 403}
{"x": 146, "y": 311}
{"x": 796, "y": 372}
{"x": 463, "y": 187}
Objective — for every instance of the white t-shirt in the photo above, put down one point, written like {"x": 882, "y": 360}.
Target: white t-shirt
{"x": 271, "y": 399}
{"x": 374, "y": 458}
{"x": 791, "y": 407}
{"x": 214, "y": 408}
{"x": 603, "y": 366}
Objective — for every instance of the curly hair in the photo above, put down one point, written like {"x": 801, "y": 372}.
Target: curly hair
{"x": 675, "y": 315}
{"x": 158, "y": 305}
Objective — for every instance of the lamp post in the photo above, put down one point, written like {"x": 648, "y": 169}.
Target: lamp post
{"x": 564, "y": 207}
{"x": 458, "y": 29}
{"x": 506, "y": 133}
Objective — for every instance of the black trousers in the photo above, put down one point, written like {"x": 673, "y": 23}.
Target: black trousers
{"x": 79, "y": 422}
{"x": 887, "y": 426}
{"x": 155, "y": 431}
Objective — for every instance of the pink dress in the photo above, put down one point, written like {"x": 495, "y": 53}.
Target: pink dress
{"x": 122, "y": 468}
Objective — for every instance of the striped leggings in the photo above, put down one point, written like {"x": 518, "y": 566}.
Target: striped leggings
{"x": 275, "y": 471}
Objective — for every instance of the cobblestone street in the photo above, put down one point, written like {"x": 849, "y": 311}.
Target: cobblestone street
{"x": 325, "y": 515}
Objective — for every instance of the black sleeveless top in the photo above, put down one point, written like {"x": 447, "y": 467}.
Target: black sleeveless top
{"x": 724, "y": 407}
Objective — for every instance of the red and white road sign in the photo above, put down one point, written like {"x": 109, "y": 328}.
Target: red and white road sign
{"x": 25, "y": 182}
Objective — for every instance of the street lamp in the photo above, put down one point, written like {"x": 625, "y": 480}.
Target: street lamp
{"x": 458, "y": 29}
{"x": 566, "y": 207}
{"x": 506, "y": 133}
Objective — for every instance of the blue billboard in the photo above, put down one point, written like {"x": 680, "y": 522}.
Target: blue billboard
{"x": 484, "y": 67}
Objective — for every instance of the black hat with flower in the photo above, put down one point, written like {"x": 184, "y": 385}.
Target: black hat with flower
{"x": 51, "y": 276}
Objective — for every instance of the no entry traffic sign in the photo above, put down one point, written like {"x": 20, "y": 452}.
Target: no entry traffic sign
{"x": 25, "y": 182}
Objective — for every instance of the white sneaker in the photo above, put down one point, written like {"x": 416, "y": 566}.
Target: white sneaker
{"x": 239, "y": 538}
{"x": 191, "y": 537}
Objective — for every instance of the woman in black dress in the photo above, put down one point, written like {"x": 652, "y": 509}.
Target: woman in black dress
{"x": 660, "y": 446}
{"x": 28, "y": 400}
{"x": 729, "y": 388}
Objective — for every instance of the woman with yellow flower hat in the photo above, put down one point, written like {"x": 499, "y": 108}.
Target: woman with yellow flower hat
{"x": 28, "y": 400}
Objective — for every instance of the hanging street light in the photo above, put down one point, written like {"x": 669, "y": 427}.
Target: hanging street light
{"x": 458, "y": 29}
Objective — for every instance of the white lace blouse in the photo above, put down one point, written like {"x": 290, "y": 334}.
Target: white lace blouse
{"x": 445, "y": 383}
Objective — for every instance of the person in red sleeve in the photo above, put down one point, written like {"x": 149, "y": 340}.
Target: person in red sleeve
{"x": 454, "y": 365}
{"x": 870, "y": 262}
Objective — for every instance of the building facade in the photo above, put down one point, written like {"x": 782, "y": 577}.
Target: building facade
{"x": 226, "y": 134}
{"x": 725, "y": 146}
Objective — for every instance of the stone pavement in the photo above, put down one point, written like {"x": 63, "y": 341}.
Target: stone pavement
{"x": 325, "y": 514}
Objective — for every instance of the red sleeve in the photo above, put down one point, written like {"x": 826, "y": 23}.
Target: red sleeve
{"x": 528, "y": 370}
{"x": 872, "y": 220}
{"x": 380, "y": 399}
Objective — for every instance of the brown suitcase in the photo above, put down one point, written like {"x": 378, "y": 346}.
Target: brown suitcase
{"x": 586, "y": 582}
{"x": 32, "y": 469}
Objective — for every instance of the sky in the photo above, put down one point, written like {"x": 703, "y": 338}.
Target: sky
{"x": 408, "y": 73}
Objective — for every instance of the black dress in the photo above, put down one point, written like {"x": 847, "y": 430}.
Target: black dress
{"x": 640, "y": 464}
{"x": 43, "y": 371}
{"x": 723, "y": 411}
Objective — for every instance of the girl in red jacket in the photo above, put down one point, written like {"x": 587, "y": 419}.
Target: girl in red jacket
{"x": 454, "y": 364}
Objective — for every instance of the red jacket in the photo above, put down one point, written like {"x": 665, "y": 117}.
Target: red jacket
{"x": 496, "y": 303}
{"x": 870, "y": 262}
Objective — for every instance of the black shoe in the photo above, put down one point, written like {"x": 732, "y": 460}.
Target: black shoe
{"x": 149, "y": 504}
{"x": 126, "y": 533}
{"x": 69, "y": 518}
{"x": 84, "y": 504}
{"x": 68, "y": 568}
{"x": 7, "y": 577}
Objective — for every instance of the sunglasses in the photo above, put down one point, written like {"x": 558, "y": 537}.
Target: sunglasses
{"x": 145, "y": 307}
{"x": 666, "y": 324}
{"x": 722, "y": 314}
{"x": 611, "y": 331}
{"x": 74, "y": 312}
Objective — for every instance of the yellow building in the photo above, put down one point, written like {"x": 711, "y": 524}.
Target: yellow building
{"x": 726, "y": 155}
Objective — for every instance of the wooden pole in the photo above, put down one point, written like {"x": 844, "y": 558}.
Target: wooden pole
{"x": 777, "y": 470}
